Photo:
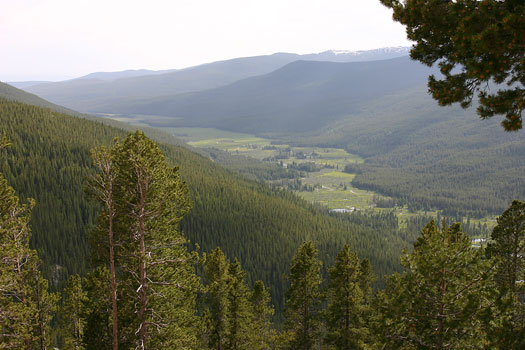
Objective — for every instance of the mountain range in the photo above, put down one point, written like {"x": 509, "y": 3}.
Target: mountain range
{"x": 99, "y": 91}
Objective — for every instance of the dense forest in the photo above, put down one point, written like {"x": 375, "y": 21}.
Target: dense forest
{"x": 428, "y": 156}
{"x": 49, "y": 160}
{"x": 143, "y": 289}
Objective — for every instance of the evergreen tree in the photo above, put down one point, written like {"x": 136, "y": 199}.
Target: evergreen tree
{"x": 17, "y": 311}
{"x": 262, "y": 335}
{"x": 366, "y": 278}
{"x": 73, "y": 314}
{"x": 46, "y": 306}
{"x": 304, "y": 298}
{"x": 443, "y": 299}
{"x": 217, "y": 276}
{"x": 508, "y": 248}
{"x": 26, "y": 306}
{"x": 239, "y": 310}
{"x": 160, "y": 283}
{"x": 102, "y": 187}
{"x": 347, "y": 309}
{"x": 99, "y": 328}
{"x": 475, "y": 43}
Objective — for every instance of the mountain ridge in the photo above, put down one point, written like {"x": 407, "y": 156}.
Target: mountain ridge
{"x": 87, "y": 95}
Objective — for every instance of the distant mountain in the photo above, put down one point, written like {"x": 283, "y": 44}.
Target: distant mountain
{"x": 132, "y": 73}
{"x": 359, "y": 56}
{"x": 299, "y": 97}
{"x": 100, "y": 92}
{"x": 26, "y": 84}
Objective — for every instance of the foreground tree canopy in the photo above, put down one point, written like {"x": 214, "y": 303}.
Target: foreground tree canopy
{"x": 476, "y": 44}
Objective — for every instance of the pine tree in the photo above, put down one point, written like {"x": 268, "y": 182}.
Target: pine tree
{"x": 73, "y": 314}
{"x": 46, "y": 305}
{"x": 304, "y": 298}
{"x": 442, "y": 300}
{"x": 26, "y": 306}
{"x": 16, "y": 308}
{"x": 217, "y": 289}
{"x": 508, "y": 248}
{"x": 347, "y": 309}
{"x": 145, "y": 200}
{"x": 508, "y": 244}
{"x": 475, "y": 43}
{"x": 239, "y": 310}
{"x": 262, "y": 335}
{"x": 102, "y": 187}
{"x": 99, "y": 328}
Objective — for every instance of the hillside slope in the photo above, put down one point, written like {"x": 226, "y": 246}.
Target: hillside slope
{"x": 12, "y": 93}
{"x": 431, "y": 157}
{"x": 49, "y": 160}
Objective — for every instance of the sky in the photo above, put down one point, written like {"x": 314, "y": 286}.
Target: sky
{"x": 62, "y": 39}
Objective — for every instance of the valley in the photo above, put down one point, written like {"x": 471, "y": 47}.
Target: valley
{"x": 322, "y": 178}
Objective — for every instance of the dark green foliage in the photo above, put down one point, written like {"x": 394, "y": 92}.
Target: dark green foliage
{"x": 217, "y": 290}
{"x": 26, "y": 306}
{"x": 444, "y": 298}
{"x": 508, "y": 244}
{"x": 98, "y": 333}
{"x": 240, "y": 311}
{"x": 508, "y": 248}
{"x": 49, "y": 160}
{"x": 474, "y": 43}
{"x": 156, "y": 274}
{"x": 348, "y": 310}
{"x": 262, "y": 335}
{"x": 304, "y": 298}
{"x": 73, "y": 314}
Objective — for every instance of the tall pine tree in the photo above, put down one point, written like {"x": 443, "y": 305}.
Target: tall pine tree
{"x": 304, "y": 298}
{"x": 158, "y": 283}
{"x": 347, "y": 309}
{"x": 263, "y": 336}
{"x": 217, "y": 290}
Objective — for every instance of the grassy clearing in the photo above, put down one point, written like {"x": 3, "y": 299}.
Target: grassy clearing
{"x": 331, "y": 186}
{"x": 339, "y": 175}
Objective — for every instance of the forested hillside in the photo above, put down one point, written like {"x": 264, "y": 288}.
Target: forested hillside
{"x": 430, "y": 156}
{"x": 49, "y": 160}
{"x": 13, "y": 94}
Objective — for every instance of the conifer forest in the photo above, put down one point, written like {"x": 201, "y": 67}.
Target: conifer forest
{"x": 194, "y": 208}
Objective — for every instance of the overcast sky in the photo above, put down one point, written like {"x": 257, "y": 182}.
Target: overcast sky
{"x": 62, "y": 39}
